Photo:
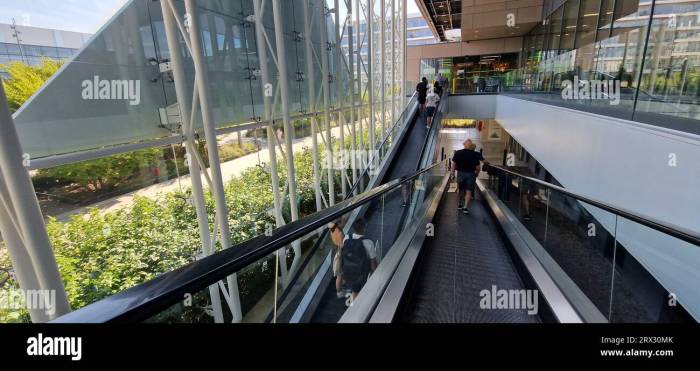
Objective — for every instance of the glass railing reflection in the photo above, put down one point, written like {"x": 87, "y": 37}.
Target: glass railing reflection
{"x": 595, "y": 247}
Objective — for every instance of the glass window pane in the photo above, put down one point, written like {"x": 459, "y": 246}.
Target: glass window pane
{"x": 669, "y": 83}
{"x": 605, "y": 19}
{"x": 587, "y": 22}
{"x": 569, "y": 30}
{"x": 555, "y": 31}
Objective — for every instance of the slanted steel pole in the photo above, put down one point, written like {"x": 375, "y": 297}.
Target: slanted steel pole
{"x": 370, "y": 79}
{"x": 18, "y": 252}
{"x": 268, "y": 92}
{"x": 183, "y": 99}
{"x": 360, "y": 95}
{"x": 340, "y": 101}
{"x": 382, "y": 62}
{"x": 311, "y": 90}
{"x": 202, "y": 77}
{"x": 327, "y": 100}
{"x": 34, "y": 256}
{"x": 393, "y": 62}
{"x": 404, "y": 44}
{"x": 353, "y": 102}
{"x": 288, "y": 130}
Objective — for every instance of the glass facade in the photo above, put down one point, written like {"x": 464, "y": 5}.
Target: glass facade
{"x": 129, "y": 49}
{"x": 636, "y": 59}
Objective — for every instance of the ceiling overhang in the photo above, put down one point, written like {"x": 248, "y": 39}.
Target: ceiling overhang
{"x": 441, "y": 15}
{"x": 491, "y": 19}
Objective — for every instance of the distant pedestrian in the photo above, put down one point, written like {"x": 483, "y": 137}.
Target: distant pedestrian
{"x": 422, "y": 90}
{"x": 437, "y": 88}
{"x": 431, "y": 104}
{"x": 482, "y": 85}
{"x": 467, "y": 164}
{"x": 444, "y": 82}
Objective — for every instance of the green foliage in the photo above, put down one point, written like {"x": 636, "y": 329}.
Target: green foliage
{"x": 230, "y": 152}
{"x": 102, "y": 253}
{"x": 103, "y": 173}
{"x": 25, "y": 80}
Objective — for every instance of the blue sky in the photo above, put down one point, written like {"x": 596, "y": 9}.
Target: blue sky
{"x": 72, "y": 15}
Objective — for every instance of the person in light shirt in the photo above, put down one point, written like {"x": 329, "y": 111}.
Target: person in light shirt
{"x": 431, "y": 102}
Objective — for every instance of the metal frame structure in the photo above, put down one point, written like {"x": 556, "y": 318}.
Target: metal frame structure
{"x": 352, "y": 98}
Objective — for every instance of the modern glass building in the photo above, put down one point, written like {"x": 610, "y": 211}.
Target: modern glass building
{"x": 648, "y": 46}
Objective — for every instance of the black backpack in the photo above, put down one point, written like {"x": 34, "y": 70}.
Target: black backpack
{"x": 354, "y": 262}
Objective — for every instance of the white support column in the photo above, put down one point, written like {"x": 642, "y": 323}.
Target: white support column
{"x": 34, "y": 256}
{"x": 183, "y": 99}
{"x": 370, "y": 78}
{"x": 339, "y": 98}
{"x": 361, "y": 108}
{"x": 311, "y": 90}
{"x": 393, "y": 62}
{"x": 353, "y": 97}
{"x": 210, "y": 135}
{"x": 404, "y": 42}
{"x": 382, "y": 62}
{"x": 288, "y": 130}
{"x": 327, "y": 100}
{"x": 18, "y": 252}
{"x": 267, "y": 89}
{"x": 22, "y": 224}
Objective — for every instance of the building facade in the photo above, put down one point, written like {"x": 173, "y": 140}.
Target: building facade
{"x": 31, "y": 44}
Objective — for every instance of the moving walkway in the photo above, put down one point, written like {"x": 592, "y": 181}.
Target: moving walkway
{"x": 435, "y": 264}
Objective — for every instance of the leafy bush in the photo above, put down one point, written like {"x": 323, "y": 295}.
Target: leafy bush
{"x": 229, "y": 152}
{"x": 102, "y": 253}
{"x": 103, "y": 173}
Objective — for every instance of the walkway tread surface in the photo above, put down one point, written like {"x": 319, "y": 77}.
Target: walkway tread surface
{"x": 465, "y": 257}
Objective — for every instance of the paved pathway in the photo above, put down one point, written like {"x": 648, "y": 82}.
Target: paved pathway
{"x": 229, "y": 170}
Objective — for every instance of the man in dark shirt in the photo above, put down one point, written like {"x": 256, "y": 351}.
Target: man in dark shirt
{"x": 467, "y": 163}
{"x": 422, "y": 90}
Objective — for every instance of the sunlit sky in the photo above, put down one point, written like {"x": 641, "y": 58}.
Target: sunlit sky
{"x": 74, "y": 15}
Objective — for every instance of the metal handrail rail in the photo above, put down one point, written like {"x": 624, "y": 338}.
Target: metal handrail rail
{"x": 663, "y": 227}
{"x": 143, "y": 301}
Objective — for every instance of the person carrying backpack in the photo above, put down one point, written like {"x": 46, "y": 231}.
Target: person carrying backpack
{"x": 356, "y": 259}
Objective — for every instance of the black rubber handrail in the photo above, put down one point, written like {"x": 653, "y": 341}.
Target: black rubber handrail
{"x": 148, "y": 299}
{"x": 671, "y": 230}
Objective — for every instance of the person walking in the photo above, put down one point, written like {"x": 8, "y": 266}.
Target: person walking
{"x": 354, "y": 260}
{"x": 431, "y": 103}
{"x": 467, "y": 164}
{"x": 442, "y": 80}
{"x": 437, "y": 88}
{"x": 422, "y": 90}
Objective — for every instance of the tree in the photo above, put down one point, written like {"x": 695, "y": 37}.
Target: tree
{"x": 25, "y": 80}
